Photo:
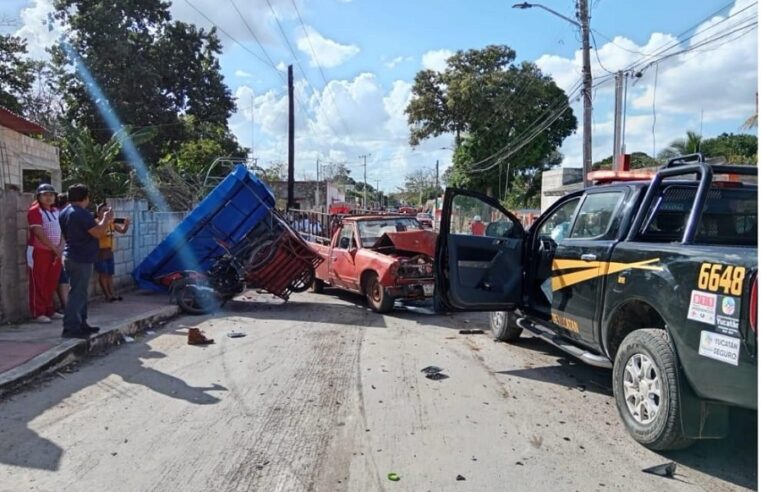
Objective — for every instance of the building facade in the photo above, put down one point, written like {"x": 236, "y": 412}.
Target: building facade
{"x": 25, "y": 161}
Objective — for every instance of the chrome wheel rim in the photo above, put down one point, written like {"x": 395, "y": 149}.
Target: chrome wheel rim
{"x": 642, "y": 388}
{"x": 497, "y": 319}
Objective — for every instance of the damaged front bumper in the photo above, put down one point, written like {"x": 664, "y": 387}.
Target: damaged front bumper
{"x": 412, "y": 289}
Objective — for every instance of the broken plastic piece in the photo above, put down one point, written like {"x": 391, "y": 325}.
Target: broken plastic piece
{"x": 471, "y": 332}
{"x": 664, "y": 470}
{"x": 431, "y": 370}
{"x": 150, "y": 332}
{"x": 128, "y": 338}
{"x": 393, "y": 477}
{"x": 236, "y": 334}
{"x": 460, "y": 478}
{"x": 436, "y": 376}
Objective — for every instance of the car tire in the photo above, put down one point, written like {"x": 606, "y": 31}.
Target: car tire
{"x": 646, "y": 363}
{"x": 504, "y": 327}
{"x": 318, "y": 286}
{"x": 196, "y": 300}
{"x": 377, "y": 298}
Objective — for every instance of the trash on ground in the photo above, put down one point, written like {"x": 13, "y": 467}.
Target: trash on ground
{"x": 664, "y": 470}
{"x": 197, "y": 337}
{"x": 128, "y": 338}
{"x": 236, "y": 334}
{"x": 393, "y": 477}
{"x": 431, "y": 370}
{"x": 472, "y": 332}
{"x": 460, "y": 478}
{"x": 436, "y": 376}
{"x": 150, "y": 332}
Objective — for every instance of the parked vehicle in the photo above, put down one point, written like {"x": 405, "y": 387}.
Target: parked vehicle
{"x": 656, "y": 280}
{"x": 426, "y": 220}
{"x": 383, "y": 257}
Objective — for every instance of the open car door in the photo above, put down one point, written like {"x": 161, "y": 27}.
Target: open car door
{"x": 479, "y": 254}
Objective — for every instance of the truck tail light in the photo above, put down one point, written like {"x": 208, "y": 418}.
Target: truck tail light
{"x": 752, "y": 315}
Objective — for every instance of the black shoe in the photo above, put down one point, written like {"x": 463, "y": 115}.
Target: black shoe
{"x": 75, "y": 334}
{"x": 90, "y": 329}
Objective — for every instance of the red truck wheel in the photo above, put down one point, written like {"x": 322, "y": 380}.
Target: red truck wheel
{"x": 377, "y": 297}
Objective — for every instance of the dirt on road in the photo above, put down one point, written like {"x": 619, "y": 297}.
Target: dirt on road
{"x": 322, "y": 394}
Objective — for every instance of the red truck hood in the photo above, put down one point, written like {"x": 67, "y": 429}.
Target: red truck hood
{"x": 423, "y": 242}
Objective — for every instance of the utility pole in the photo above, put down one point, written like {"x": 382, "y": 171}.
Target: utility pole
{"x": 364, "y": 165}
{"x": 252, "y": 126}
{"x": 617, "y": 126}
{"x": 290, "y": 202}
{"x": 317, "y": 187}
{"x": 583, "y": 16}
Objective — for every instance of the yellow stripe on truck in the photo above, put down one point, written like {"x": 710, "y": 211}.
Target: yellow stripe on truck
{"x": 594, "y": 269}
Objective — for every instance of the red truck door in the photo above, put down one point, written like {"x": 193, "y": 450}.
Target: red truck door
{"x": 341, "y": 265}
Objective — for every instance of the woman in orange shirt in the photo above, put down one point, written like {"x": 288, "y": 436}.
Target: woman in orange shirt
{"x": 104, "y": 264}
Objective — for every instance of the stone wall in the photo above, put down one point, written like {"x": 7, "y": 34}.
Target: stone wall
{"x": 19, "y": 152}
{"x": 148, "y": 229}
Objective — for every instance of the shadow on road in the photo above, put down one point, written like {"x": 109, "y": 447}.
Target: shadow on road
{"x": 20, "y": 443}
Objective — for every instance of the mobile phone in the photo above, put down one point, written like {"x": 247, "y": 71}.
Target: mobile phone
{"x": 119, "y": 221}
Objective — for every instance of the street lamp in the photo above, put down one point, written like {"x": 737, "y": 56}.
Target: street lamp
{"x": 583, "y": 25}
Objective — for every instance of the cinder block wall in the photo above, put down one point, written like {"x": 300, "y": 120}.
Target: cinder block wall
{"x": 148, "y": 229}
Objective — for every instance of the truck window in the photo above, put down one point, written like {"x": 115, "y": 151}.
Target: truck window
{"x": 558, "y": 225}
{"x": 346, "y": 239}
{"x": 472, "y": 217}
{"x": 730, "y": 216}
{"x": 371, "y": 230}
{"x": 596, "y": 214}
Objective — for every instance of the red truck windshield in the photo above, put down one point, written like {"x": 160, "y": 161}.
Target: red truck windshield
{"x": 371, "y": 230}
{"x": 730, "y": 216}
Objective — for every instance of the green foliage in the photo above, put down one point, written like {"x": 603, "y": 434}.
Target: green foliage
{"x": 639, "y": 160}
{"x": 151, "y": 69}
{"x": 487, "y": 101}
{"x": 85, "y": 160}
{"x": 682, "y": 146}
{"x": 16, "y": 72}
{"x": 735, "y": 149}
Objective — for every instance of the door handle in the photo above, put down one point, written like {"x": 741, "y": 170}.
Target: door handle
{"x": 589, "y": 257}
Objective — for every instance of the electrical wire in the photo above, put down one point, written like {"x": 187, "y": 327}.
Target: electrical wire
{"x": 597, "y": 54}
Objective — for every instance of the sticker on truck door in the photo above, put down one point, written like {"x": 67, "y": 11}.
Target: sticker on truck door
{"x": 719, "y": 347}
{"x": 702, "y": 307}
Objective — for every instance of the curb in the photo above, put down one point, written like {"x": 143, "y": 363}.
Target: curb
{"x": 71, "y": 350}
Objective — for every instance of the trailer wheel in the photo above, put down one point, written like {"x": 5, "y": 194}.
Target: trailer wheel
{"x": 303, "y": 283}
{"x": 261, "y": 254}
{"x": 646, "y": 392}
{"x": 196, "y": 300}
{"x": 377, "y": 298}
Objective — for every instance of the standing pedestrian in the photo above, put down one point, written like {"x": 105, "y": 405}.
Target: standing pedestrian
{"x": 43, "y": 254}
{"x": 81, "y": 232}
{"x": 63, "y": 279}
{"x": 105, "y": 262}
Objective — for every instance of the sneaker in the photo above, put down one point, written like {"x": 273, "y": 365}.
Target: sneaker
{"x": 42, "y": 319}
{"x": 56, "y": 316}
{"x": 90, "y": 329}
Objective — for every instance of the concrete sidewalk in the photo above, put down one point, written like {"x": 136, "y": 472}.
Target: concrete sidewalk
{"x": 30, "y": 349}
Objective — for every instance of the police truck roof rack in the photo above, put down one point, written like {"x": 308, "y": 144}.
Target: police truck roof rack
{"x": 682, "y": 166}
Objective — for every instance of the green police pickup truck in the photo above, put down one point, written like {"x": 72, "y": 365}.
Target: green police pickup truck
{"x": 655, "y": 279}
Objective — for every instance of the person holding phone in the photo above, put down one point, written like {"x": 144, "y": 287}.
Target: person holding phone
{"x": 104, "y": 264}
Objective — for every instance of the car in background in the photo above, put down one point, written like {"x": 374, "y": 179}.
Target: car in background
{"x": 425, "y": 219}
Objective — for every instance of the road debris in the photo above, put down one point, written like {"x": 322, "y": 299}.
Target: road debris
{"x": 394, "y": 477}
{"x": 436, "y": 376}
{"x": 236, "y": 334}
{"x": 431, "y": 369}
{"x": 460, "y": 478}
{"x": 150, "y": 332}
{"x": 128, "y": 339}
{"x": 472, "y": 332}
{"x": 197, "y": 337}
{"x": 665, "y": 470}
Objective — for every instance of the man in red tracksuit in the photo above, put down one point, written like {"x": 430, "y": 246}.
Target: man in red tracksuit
{"x": 43, "y": 254}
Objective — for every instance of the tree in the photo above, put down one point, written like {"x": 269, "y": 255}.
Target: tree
{"x": 84, "y": 160}
{"x": 419, "y": 187}
{"x": 16, "y": 72}
{"x": 736, "y": 149}
{"x": 682, "y": 146}
{"x": 151, "y": 69}
{"x": 495, "y": 109}
{"x": 639, "y": 160}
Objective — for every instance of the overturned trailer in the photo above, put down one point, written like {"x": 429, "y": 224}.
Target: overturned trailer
{"x": 232, "y": 240}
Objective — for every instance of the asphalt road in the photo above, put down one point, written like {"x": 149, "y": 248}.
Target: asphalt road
{"x": 323, "y": 394}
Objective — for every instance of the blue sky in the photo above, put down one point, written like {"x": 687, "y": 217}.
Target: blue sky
{"x": 371, "y": 50}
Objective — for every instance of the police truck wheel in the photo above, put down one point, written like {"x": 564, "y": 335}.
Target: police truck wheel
{"x": 645, "y": 390}
{"x": 503, "y": 326}
{"x": 377, "y": 297}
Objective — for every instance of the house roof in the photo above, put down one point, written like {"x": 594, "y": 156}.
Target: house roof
{"x": 11, "y": 120}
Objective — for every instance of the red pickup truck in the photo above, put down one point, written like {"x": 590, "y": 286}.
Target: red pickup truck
{"x": 383, "y": 257}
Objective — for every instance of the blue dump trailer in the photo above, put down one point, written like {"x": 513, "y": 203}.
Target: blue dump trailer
{"x": 232, "y": 240}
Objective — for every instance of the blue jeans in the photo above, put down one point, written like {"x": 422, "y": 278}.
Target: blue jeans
{"x": 75, "y": 316}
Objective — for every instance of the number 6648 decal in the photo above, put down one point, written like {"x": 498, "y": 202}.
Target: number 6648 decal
{"x": 716, "y": 277}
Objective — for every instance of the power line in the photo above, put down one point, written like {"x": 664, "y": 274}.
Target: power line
{"x": 256, "y": 38}
{"x": 597, "y": 54}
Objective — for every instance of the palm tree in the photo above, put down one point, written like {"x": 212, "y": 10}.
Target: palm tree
{"x": 682, "y": 146}
{"x": 97, "y": 165}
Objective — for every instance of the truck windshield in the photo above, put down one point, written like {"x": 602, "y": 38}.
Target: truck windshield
{"x": 371, "y": 230}
{"x": 730, "y": 216}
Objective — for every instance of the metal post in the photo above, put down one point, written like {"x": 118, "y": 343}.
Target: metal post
{"x": 617, "y": 121}
{"x": 583, "y": 15}
{"x": 364, "y": 191}
{"x": 290, "y": 202}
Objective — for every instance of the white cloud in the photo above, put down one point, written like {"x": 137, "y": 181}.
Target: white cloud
{"x": 397, "y": 61}
{"x": 436, "y": 59}
{"x": 327, "y": 52}
{"x": 36, "y": 28}
{"x": 243, "y": 74}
